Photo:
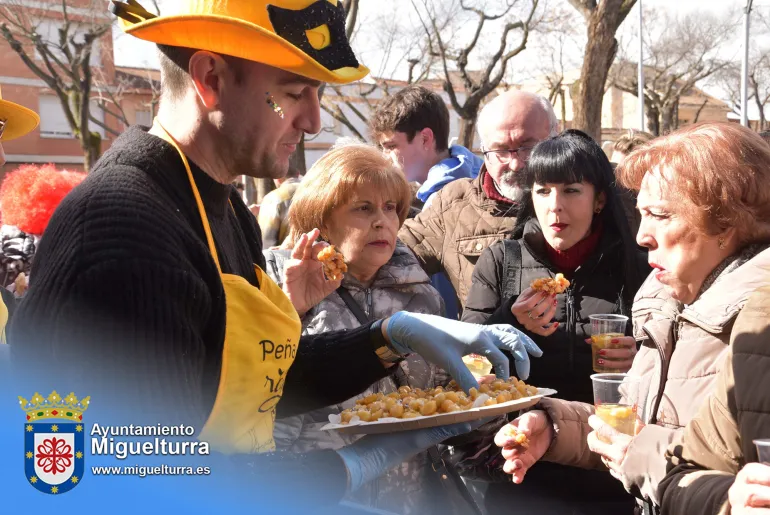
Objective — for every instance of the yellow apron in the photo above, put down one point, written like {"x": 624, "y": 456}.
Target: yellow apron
{"x": 262, "y": 331}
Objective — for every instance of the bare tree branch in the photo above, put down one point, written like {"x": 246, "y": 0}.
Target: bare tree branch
{"x": 455, "y": 58}
{"x": 66, "y": 62}
{"x": 584, "y": 7}
{"x": 699, "y": 111}
{"x": 336, "y": 113}
{"x": 101, "y": 124}
{"x": 683, "y": 50}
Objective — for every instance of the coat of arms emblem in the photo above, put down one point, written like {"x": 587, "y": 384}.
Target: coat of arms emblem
{"x": 54, "y": 437}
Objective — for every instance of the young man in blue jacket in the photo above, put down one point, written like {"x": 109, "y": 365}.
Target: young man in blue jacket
{"x": 412, "y": 127}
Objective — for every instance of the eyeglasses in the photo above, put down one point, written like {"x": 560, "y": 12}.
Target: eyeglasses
{"x": 2, "y": 126}
{"x": 504, "y": 156}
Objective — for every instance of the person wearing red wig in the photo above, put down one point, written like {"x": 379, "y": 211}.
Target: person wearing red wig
{"x": 28, "y": 198}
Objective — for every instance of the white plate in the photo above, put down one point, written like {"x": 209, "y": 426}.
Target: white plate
{"x": 392, "y": 425}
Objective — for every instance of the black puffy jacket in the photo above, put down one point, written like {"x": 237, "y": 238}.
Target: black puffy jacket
{"x": 597, "y": 287}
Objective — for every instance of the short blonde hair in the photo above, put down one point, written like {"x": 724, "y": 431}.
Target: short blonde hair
{"x": 336, "y": 177}
{"x": 720, "y": 169}
{"x": 631, "y": 140}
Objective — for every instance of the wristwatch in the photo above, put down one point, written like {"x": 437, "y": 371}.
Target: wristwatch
{"x": 382, "y": 347}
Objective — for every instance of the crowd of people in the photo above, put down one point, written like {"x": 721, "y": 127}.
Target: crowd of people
{"x": 155, "y": 285}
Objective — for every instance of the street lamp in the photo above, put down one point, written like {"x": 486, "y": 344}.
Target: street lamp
{"x": 745, "y": 66}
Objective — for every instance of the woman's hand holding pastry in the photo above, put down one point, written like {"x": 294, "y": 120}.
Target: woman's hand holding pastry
{"x": 304, "y": 280}
{"x": 524, "y": 441}
{"x": 534, "y": 311}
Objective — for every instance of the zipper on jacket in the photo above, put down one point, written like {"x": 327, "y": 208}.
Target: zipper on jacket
{"x": 368, "y": 306}
{"x": 571, "y": 325}
{"x": 653, "y": 415}
{"x": 648, "y": 507}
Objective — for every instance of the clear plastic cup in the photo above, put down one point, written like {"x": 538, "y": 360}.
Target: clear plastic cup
{"x": 763, "y": 450}
{"x": 615, "y": 400}
{"x": 604, "y": 329}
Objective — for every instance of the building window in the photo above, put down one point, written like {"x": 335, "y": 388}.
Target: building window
{"x": 53, "y": 121}
{"x": 143, "y": 118}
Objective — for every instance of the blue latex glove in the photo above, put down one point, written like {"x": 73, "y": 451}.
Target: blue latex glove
{"x": 373, "y": 455}
{"x": 444, "y": 342}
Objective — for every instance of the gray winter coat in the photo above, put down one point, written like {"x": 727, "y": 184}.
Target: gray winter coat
{"x": 400, "y": 285}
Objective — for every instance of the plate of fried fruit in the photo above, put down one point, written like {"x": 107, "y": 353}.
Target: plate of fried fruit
{"x": 551, "y": 285}
{"x": 413, "y": 408}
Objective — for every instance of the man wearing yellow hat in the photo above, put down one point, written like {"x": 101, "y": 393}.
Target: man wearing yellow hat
{"x": 149, "y": 282}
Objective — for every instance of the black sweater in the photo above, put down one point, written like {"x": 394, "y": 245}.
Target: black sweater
{"x": 126, "y": 301}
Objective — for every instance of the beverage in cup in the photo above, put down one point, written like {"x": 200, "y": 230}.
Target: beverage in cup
{"x": 763, "y": 450}
{"x": 604, "y": 329}
{"x": 615, "y": 400}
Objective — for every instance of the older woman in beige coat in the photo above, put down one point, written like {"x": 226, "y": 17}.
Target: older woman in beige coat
{"x": 705, "y": 209}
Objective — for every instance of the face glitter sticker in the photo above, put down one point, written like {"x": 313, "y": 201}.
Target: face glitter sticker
{"x": 273, "y": 105}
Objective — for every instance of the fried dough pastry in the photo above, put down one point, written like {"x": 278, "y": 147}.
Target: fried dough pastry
{"x": 552, "y": 286}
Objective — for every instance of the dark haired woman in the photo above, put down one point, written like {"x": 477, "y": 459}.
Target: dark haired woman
{"x": 571, "y": 222}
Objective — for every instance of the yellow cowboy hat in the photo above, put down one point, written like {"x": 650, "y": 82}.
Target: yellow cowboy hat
{"x": 306, "y": 37}
{"x": 18, "y": 120}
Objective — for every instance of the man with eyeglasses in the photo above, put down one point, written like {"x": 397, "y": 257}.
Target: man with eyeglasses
{"x": 468, "y": 215}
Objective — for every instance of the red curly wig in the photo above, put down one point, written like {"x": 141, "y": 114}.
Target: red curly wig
{"x": 30, "y": 194}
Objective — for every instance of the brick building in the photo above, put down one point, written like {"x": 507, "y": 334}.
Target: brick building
{"x": 53, "y": 141}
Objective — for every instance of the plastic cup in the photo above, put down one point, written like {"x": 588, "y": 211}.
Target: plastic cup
{"x": 763, "y": 450}
{"x": 604, "y": 329}
{"x": 615, "y": 400}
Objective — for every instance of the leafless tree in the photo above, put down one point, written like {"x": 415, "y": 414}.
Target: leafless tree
{"x": 729, "y": 81}
{"x": 759, "y": 85}
{"x": 729, "y": 78}
{"x": 456, "y": 62}
{"x": 603, "y": 18}
{"x": 680, "y": 52}
{"x": 110, "y": 95}
{"x": 550, "y": 51}
{"x": 62, "y": 60}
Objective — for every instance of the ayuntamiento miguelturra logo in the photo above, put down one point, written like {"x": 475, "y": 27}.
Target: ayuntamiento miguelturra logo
{"x": 54, "y": 436}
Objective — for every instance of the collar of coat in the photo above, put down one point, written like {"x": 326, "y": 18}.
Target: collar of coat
{"x": 478, "y": 197}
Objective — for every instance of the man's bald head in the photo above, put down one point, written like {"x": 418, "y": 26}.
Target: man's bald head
{"x": 517, "y": 109}
{"x": 515, "y": 120}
